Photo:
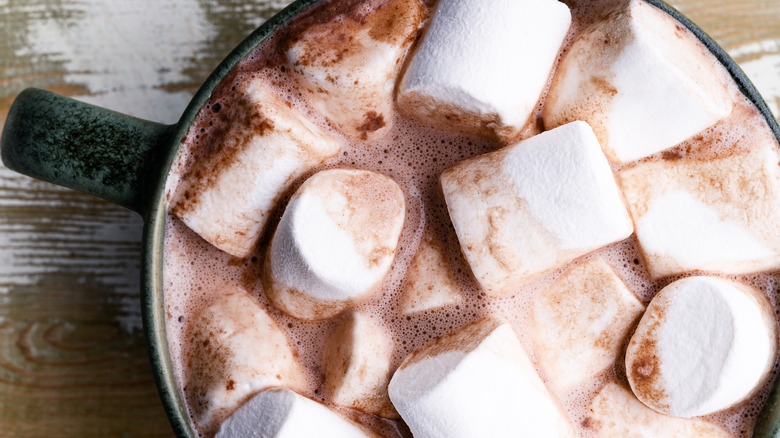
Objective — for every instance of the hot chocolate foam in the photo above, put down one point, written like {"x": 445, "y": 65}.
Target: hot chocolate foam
{"x": 414, "y": 156}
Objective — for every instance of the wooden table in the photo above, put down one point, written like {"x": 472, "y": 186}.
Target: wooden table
{"x": 72, "y": 354}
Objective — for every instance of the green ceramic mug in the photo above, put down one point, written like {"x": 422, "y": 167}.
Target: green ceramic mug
{"x": 126, "y": 160}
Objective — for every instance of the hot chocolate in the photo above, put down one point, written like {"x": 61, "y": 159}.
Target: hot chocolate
{"x": 225, "y": 211}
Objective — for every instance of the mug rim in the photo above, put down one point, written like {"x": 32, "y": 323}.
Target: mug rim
{"x": 153, "y": 311}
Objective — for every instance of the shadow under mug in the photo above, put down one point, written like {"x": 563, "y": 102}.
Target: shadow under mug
{"x": 125, "y": 160}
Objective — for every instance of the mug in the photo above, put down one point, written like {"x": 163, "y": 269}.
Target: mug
{"x": 126, "y": 161}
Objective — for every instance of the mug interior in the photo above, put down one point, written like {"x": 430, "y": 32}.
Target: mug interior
{"x": 154, "y": 230}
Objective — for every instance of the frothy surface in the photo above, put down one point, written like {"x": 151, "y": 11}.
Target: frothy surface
{"x": 414, "y": 155}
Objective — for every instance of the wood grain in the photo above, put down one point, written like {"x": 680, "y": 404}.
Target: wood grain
{"x": 72, "y": 356}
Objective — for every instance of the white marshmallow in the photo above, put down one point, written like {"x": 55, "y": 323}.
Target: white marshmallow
{"x": 534, "y": 206}
{"x": 617, "y": 413}
{"x": 237, "y": 349}
{"x": 703, "y": 345}
{"x": 347, "y": 66}
{"x": 477, "y": 382}
{"x": 641, "y": 80}
{"x": 581, "y": 322}
{"x": 227, "y": 195}
{"x": 429, "y": 282}
{"x": 335, "y": 242}
{"x": 356, "y": 362}
{"x": 717, "y": 215}
{"x": 281, "y": 413}
{"x": 481, "y": 67}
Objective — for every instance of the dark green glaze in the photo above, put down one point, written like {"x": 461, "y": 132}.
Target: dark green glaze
{"x": 81, "y": 146}
{"x": 126, "y": 160}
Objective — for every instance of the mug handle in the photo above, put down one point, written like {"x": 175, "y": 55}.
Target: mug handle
{"x": 85, "y": 147}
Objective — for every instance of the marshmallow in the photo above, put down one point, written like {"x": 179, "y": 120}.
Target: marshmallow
{"x": 230, "y": 191}
{"x": 237, "y": 349}
{"x": 281, "y": 413}
{"x": 641, "y": 80}
{"x": 534, "y": 206}
{"x": 347, "y": 66}
{"x": 334, "y": 244}
{"x": 704, "y": 345}
{"x": 580, "y": 323}
{"x": 716, "y": 215}
{"x": 356, "y": 361}
{"x": 482, "y": 67}
{"x": 429, "y": 282}
{"x": 617, "y": 413}
{"x": 477, "y": 382}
